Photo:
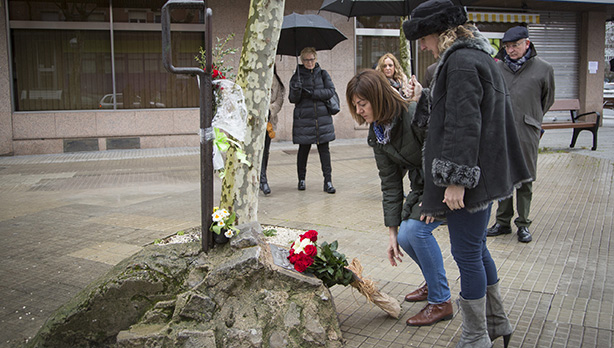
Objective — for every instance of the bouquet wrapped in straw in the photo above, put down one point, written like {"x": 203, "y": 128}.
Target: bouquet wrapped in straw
{"x": 326, "y": 263}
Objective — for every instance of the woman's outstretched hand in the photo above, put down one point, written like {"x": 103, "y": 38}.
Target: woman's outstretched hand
{"x": 394, "y": 253}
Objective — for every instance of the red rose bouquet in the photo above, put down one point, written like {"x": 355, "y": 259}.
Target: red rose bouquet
{"x": 327, "y": 264}
{"x": 323, "y": 261}
{"x": 303, "y": 250}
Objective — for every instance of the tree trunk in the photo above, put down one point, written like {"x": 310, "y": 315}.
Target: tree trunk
{"x": 255, "y": 74}
{"x": 405, "y": 51}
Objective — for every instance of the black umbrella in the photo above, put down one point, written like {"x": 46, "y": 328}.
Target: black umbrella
{"x": 299, "y": 31}
{"x": 355, "y": 8}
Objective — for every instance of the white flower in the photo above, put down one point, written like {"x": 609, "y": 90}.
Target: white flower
{"x": 217, "y": 216}
{"x": 228, "y": 233}
{"x": 221, "y": 223}
{"x": 299, "y": 246}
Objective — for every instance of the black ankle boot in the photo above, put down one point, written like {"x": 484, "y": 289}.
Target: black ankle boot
{"x": 301, "y": 185}
{"x": 328, "y": 187}
{"x": 264, "y": 187}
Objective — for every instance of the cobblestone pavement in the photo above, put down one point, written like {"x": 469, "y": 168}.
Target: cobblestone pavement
{"x": 67, "y": 219}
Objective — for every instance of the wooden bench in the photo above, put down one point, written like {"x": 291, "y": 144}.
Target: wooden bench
{"x": 587, "y": 121}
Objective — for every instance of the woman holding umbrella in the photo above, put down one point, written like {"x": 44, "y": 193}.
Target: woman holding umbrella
{"x": 310, "y": 87}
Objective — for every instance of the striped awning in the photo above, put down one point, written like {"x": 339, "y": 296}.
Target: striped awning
{"x": 503, "y": 17}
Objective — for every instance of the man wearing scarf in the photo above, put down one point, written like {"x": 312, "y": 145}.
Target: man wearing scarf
{"x": 530, "y": 81}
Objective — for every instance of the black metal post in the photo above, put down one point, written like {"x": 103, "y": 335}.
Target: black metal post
{"x": 206, "y": 103}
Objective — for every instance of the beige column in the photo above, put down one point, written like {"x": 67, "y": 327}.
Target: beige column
{"x": 6, "y": 124}
{"x": 592, "y": 49}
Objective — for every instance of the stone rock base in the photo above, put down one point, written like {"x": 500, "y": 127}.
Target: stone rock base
{"x": 175, "y": 296}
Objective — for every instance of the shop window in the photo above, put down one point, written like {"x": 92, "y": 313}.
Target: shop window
{"x": 376, "y": 36}
{"x": 137, "y": 16}
{"x": 69, "y": 66}
{"x": 57, "y": 69}
{"x": 58, "y": 11}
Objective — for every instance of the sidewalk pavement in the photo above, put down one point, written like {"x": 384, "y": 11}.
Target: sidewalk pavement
{"x": 66, "y": 219}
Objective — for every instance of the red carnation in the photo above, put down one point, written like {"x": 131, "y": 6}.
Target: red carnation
{"x": 216, "y": 74}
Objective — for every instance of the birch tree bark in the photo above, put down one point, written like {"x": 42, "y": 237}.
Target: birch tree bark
{"x": 255, "y": 74}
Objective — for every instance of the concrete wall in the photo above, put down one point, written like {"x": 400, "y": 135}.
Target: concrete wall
{"x": 592, "y": 43}
{"x": 6, "y": 126}
{"x": 44, "y": 132}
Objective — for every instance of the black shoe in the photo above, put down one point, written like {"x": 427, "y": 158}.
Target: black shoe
{"x": 524, "y": 235}
{"x": 498, "y": 229}
{"x": 301, "y": 185}
{"x": 264, "y": 187}
{"x": 328, "y": 187}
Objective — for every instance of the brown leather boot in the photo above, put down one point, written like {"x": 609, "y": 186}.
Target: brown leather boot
{"x": 431, "y": 314}
{"x": 418, "y": 295}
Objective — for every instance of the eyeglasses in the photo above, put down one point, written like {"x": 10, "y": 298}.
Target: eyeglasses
{"x": 309, "y": 60}
{"x": 517, "y": 44}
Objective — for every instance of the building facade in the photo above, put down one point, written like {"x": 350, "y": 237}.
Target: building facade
{"x": 87, "y": 75}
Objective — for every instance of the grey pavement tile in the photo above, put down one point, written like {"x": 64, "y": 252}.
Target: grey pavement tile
{"x": 558, "y": 289}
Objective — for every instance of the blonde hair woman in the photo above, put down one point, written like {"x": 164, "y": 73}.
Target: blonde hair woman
{"x": 390, "y": 66}
{"x": 470, "y": 157}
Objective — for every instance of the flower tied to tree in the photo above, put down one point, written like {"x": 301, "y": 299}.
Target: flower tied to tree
{"x": 216, "y": 74}
{"x": 221, "y": 144}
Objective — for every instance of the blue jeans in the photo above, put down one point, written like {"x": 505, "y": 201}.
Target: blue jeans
{"x": 416, "y": 238}
{"x": 468, "y": 246}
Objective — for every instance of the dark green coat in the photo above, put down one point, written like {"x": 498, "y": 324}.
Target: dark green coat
{"x": 403, "y": 154}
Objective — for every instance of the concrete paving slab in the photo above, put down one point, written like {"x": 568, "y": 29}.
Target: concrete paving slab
{"x": 67, "y": 219}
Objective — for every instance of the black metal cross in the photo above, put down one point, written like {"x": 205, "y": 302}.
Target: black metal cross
{"x": 206, "y": 103}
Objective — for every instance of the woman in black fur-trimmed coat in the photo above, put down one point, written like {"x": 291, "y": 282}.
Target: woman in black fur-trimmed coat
{"x": 310, "y": 88}
{"x": 472, "y": 157}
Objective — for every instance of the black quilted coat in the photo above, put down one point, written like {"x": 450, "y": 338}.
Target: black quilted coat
{"x": 312, "y": 123}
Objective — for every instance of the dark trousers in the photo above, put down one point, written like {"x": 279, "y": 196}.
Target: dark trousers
{"x": 303, "y": 154}
{"x": 505, "y": 211}
{"x": 265, "y": 158}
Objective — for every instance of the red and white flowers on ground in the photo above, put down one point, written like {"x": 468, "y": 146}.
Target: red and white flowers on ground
{"x": 303, "y": 250}
{"x": 327, "y": 264}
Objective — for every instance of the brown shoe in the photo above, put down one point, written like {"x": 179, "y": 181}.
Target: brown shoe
{"x": 418, "y": 295}
{"x": 431, "y": 314}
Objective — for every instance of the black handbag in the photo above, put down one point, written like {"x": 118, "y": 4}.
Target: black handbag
{"x": 333, "y": 105}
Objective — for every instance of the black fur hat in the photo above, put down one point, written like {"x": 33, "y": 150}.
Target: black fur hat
{"x": 433, "y": 16}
